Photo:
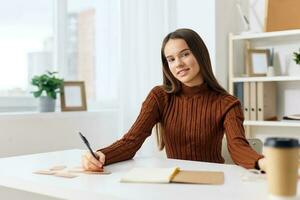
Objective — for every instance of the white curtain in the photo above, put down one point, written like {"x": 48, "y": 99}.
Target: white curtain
{"x": 108, "y": 51}
{"x": 129, "y": 34}
{"x": 144, "y": 23}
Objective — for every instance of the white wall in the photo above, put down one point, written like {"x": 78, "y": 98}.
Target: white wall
{"x": 42, "y": 132}
{"x": 226, "y": 21}
{"x": 200, "y": 16}
{"x": 213, "y": 20}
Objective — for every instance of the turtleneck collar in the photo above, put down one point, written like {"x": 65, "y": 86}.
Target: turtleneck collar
{"x": 191, "y": 91}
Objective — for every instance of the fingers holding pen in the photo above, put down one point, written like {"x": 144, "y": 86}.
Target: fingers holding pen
{"x": 94, "y": 161}
{"x": 92, "y": 164}
{"x": 101, "y": 157}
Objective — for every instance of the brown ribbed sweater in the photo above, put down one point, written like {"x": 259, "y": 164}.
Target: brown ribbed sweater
{"x": 194, "y": 121}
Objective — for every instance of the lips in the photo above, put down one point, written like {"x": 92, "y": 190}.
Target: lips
{"x": 182, "y": 72}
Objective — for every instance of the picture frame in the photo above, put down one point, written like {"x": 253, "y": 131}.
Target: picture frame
{"x": 73, "y": 96}
{"x": 258, "y": 62}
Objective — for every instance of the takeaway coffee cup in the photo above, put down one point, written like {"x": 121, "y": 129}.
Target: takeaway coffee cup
{"x": 282, "y": 156}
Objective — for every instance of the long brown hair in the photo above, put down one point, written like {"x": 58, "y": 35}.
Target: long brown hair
{"x": 171, "y": 84}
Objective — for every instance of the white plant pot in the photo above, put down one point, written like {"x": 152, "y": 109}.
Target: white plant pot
{"x": 46, "y": 104}
{"x": 294, "y": 69}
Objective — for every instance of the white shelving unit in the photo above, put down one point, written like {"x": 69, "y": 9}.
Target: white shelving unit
{"x": 234, "y": 67}
{"x": 266, "y": 35}
{"x": 274, "y": 78}
{"x": 283, "y": 123}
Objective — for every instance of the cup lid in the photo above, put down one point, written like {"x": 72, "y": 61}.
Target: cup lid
{"x": 281, "y": 142}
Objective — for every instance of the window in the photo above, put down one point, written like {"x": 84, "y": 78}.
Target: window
{"x": 26, "y": 38}
{"x": 71, "y": 37}
{"x": 93, "y": 33}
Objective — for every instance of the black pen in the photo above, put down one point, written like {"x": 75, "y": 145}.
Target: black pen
{"x": 86, "y": 142}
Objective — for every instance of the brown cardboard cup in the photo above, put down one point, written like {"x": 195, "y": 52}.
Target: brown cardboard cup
{"x": 282, "y": 166}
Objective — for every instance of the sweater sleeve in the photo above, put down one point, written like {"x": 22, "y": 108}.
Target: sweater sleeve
{"x": 241, "y": 152}
{"x": 125, "y": 148}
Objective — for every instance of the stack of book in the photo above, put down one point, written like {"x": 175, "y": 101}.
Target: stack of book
{"x": 258, "y": 100}
{"x": 292, "y": 117}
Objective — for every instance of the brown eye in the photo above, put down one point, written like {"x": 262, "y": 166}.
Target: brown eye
{"x": 186, "y": 53}
{"x": 170, "y": 60}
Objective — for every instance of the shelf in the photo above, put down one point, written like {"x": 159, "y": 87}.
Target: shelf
{"x": 236, "y": 57}
{"x": 249, "y": 36}
{"x": 266, "y": 78}
{"x": 283, "y": 123}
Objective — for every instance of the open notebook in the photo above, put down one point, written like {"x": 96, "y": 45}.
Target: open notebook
{"x": 172, "y": 175}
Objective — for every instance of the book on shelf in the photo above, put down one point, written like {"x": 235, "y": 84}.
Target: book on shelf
{"x": 172, "y": 175}
{"x": 266, "y": 101}
{"x": 246, "y": 100}
{"x": 292, "y": 117}
{"x": 238, "y": 91}
{"x": 253, "y": 101}
{"x": 258, "y": 100}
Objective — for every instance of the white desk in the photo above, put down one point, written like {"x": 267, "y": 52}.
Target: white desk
{"x": 16, "y": 173}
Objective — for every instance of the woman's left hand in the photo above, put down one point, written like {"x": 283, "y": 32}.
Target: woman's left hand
{"x": 262, "y": 164}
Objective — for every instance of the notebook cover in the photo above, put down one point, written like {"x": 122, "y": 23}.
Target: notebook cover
{"x": 199, "y": 177}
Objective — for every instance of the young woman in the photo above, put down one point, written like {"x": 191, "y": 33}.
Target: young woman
{"x": 191, "y": 110}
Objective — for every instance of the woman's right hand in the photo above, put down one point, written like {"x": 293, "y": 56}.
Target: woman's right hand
{"x": 90, "y": 163}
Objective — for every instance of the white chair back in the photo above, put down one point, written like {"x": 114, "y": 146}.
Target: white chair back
{"x": 255, "y": 143}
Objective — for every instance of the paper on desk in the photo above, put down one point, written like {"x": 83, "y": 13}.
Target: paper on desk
{"x": 81, "y": 170}
{"x": 61, "y": 171}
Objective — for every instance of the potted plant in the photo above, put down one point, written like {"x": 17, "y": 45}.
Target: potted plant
{"x": 296, "y": 57}
{"x": 295, "y": 67}
{"x": 48, "y": 86}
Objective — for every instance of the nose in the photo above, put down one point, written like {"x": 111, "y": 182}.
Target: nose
{"x": 178, "y": 63}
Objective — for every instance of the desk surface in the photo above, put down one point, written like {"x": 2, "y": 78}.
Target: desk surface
{"x": 16, "y": 172}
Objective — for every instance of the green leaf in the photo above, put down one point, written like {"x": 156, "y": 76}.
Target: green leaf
{"x": 296, "y": 57}
{"x": 37, "y": 93}
{"x": 47, "y": 82}
{"x": 51, "y": 94}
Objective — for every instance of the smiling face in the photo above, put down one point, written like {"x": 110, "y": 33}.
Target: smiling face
{"x": 182, "y": 63}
